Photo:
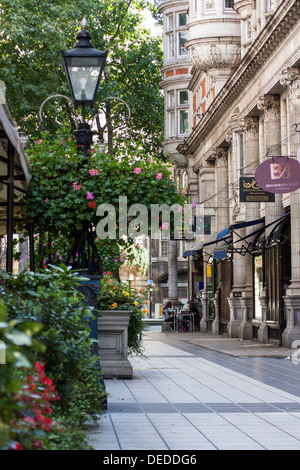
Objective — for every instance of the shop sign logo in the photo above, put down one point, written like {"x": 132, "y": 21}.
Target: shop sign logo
{"x": 279, "y": 175}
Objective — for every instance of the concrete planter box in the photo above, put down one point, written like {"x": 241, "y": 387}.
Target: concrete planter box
{"x": 113, "y": 343}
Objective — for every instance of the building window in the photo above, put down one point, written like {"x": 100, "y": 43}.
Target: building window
{"x": 170, "y": 22}
{"x": 172, "y": 123}
{"x": 171, "y": 99}
{"x": 249, "y": 30}
{"x": 183, "y": 97}
{"x": 164, "y": 248}
{"x": 170, "y": 39}
{"x": 229, "y": 3}
{"x": 210, "y": 4}
{"x": 182, "y": 19}
{"x": 182, "y": 38}
{"x": 183, "y": 121}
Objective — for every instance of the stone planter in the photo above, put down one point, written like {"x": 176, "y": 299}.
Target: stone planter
{"x": 113, "y": 343}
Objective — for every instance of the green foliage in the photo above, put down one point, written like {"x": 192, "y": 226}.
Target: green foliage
{"x": 115, "y": 295}
{"x": 62, "y": 181}
{"x": 30, "y": 63}
{"x": 52, "y": 300}
{"x": 19, "y": 347}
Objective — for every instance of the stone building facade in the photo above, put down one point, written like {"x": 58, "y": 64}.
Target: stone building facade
{"x": 245, "y": 106}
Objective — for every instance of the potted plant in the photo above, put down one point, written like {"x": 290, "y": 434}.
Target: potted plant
{"x": 120, "y": 325}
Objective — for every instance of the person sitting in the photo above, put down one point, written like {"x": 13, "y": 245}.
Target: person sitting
{"x": 169, "y": 314}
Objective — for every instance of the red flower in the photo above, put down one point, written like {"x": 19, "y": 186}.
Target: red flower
{"x": 17, "y": 446}
{"x": 39, "y": 367}
{"x": 92, "y": 204}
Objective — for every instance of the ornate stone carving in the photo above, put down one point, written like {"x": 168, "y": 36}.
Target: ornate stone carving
{"x": 221, "y": 156}
{"x": 270, "y": 105}
{"x": 206, "y": 57}
{"x": 228, "y": 136}
{"x": 249, "y": 126}
{"x": 237, "y": 206}
{"x": 288, "y": 76}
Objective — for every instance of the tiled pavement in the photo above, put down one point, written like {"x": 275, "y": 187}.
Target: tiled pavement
{"x": 187, "y": 397}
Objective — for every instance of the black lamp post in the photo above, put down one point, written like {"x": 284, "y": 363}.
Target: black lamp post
{"x": 83, "y": 67}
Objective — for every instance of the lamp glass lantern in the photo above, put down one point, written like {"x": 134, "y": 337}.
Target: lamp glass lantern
{"x": 83, "y": 67}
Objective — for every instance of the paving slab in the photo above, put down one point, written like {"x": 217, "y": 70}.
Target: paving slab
{"x": 191, "y": 392}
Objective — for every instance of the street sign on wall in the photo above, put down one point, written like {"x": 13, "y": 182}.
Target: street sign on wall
{"x": 279, "y": 175}
{"x": 250, "y": 191}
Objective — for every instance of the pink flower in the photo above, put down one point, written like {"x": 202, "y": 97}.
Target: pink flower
{"x": 90, "y": 196}
{"x": 69, "y": 139}
{"x": 46, "y": 200}
{"x": 194, "y": 204}
{"x": 39, "y": 141}
{"x": 137, "y": 170}
{"x": 116, "y": 260}
{"x": 60, "y": 257}
{"x": 93, "y": 172}
{"x": 76, "y": 186}
{"x": 165, "y": 226}
{"x": 159, "y": 176}
{"x": 106, "y": 257}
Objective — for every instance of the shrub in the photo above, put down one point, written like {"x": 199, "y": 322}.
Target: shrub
{"x": 52, "y": 300}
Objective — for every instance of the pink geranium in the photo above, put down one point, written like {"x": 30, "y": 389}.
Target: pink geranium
{"x": 93, "y": 172}
{"x": 90, "y": 196}
{"x": 137, "y": 170}
{"x": 159, "y": 176}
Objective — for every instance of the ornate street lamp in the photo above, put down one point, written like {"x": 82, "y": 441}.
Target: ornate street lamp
{"x": 83, "y": 67}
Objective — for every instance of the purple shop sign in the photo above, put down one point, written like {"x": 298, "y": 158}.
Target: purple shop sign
{"x": 279, "y": 175}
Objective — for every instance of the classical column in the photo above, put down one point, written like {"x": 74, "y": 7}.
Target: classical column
{"x": 249, "y": 127}
{"x": 291, "y": 79}
{"x": 222, "y": 209}
{"x": 270, "y": 104}
{"x": 207, "y": 199}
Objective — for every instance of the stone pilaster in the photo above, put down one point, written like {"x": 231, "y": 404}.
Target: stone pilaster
{"x": 207, "y": 197}
{"x": 222, "y": 211}
{"x": 291, "y": 79}
{"x": 270, "y": 105}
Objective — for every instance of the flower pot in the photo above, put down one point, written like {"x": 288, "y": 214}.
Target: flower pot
{"x": 113, "y": 343}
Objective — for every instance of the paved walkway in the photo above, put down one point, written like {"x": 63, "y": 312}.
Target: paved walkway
{"x": 195, "y": 392}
